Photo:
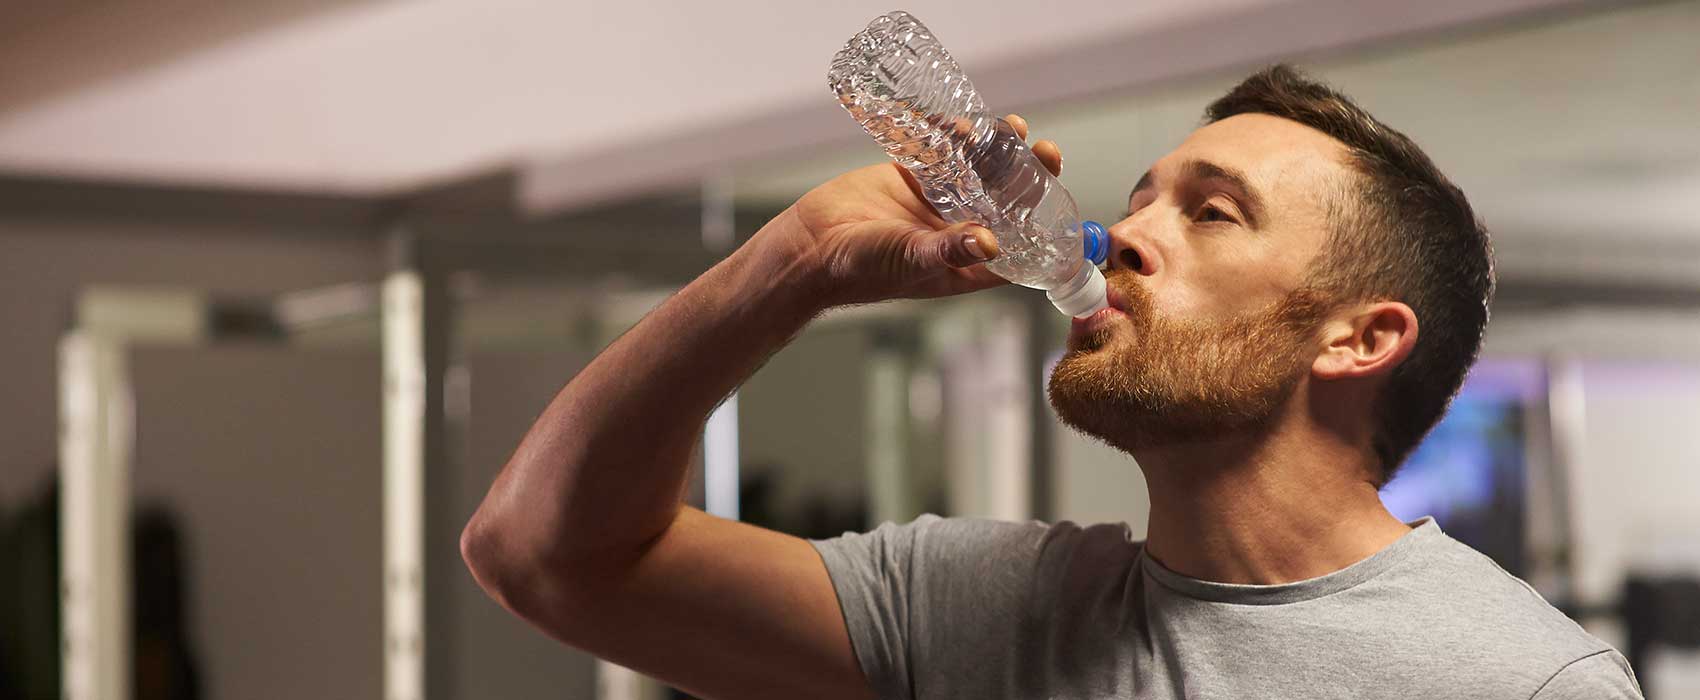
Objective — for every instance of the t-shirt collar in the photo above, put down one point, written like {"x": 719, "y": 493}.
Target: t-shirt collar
{"x": 1422, "y": 530}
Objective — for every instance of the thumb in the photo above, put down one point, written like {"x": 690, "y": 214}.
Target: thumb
{"x": 959, "y": 245}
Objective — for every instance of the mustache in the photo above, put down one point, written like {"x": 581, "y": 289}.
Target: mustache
{"x": 1300, "y": 309}
{"x": 1131, "y": 288}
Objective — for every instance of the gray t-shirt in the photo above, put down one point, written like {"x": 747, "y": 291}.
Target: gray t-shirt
{"x": 983, "y": 609}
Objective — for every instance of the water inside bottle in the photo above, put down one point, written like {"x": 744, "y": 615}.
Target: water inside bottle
{"x": 983, "y": 172}
{"x": 905, "y": 90}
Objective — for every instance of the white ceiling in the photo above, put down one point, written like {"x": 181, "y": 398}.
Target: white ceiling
{"x": 1575, "y": 135}
{"x": 1569, "y": 134}
{"x": 588, "y": 101}
{"x": 369, "y": 97}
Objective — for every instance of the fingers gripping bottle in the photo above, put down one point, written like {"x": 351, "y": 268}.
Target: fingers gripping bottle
{"x": 900, "y": 84}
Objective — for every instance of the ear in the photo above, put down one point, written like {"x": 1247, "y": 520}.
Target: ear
{"x": 1372, "y": 341}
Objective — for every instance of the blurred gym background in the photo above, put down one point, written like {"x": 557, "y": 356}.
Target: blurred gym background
{"x": 286, "y": 280}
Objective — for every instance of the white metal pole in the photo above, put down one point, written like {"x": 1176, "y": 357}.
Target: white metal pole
{"x": 988, "y": 419}
{"x": 404, "y": 485}
{"x": 889, "y": 480}
{"x": 1009, "y": 423}
{"x": 97, "y": 432}
{"x": 1568, "y": 420}
{"x": 720, "y": 460}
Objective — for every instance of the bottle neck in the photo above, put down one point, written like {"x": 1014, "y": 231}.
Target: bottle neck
{"x": 1083, "y": 294}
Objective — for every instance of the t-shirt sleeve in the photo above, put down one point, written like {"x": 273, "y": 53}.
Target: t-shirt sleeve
{"x": 1602, "y": 676}
{"x": 930, "y": 597}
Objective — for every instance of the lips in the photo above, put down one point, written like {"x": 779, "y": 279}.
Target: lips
{"x": 1117, "y": 299}
{"x": 1097, "y": 321}
{"x": 1103, "y": 318}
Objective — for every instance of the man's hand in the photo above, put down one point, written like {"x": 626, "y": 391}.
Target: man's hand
{"x": 874, "y": 237}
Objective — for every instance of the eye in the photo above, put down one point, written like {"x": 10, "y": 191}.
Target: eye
{"x": 1210, "y": 213}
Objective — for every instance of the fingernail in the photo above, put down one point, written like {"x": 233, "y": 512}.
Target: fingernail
{"x": 972, "y": 243}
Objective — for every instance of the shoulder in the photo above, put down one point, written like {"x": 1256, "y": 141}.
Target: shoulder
{"x": 1487, "y": 594}
{"x": 1489, "y": 609}
{"x": 930, "y": 531}
{"x": 1092, "y": 550}
{"x": 982, "y": 546}
{"x": 930, "y": 534}
{"x": 1053, "y": 548}
{"x": 933, "y": 603}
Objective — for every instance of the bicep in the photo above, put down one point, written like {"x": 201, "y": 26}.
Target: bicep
{"x": 719, "y": 609}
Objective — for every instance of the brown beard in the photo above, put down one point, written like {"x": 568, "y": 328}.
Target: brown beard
{"x": 1181, "y": 380}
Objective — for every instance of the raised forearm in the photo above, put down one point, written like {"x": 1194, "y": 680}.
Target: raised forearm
{"x": 603, "y": 469}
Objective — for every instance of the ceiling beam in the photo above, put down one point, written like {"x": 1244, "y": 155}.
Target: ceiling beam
{"x": 38, "y": 198}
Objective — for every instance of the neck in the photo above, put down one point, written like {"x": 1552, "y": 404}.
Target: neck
{"x": 1292, "y": 503}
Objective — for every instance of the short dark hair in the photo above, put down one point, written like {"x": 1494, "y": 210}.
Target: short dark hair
{"x": 1400, "y": 231}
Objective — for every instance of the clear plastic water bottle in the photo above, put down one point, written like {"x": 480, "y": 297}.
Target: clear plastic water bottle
{"x": 900, "y": 84}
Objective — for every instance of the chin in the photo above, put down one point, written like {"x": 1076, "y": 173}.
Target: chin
{"x": 1080, "y": 391}
{"x": 1100, "y": 394}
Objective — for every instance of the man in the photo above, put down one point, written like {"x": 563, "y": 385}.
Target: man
{"x": 1263, "y": 363}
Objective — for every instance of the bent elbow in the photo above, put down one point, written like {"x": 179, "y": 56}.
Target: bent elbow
{"x": 496, "y": 562}
{"x": 478, "y": 548}
{"x": 516, "y": 574}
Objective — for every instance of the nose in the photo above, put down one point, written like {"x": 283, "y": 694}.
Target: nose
{"x": 1131, "y": 251}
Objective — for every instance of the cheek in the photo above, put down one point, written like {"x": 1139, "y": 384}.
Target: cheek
{"x": 1180, "y": 298}
{"x": 1204, "y": 292}
{"x": 1225, "y": 281}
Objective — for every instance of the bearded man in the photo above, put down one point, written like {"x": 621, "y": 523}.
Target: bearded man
{"x": 1296, "y": 294}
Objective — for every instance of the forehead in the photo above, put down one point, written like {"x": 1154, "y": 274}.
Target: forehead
{"x": 1292, "y": 166}
{"x": 1265, "y": 145}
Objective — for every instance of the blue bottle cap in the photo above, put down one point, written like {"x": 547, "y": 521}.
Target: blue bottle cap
{"x": 1096, "y": 240}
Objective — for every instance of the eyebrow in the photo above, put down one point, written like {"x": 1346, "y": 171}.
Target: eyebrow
{"x": 1206, "y": 170}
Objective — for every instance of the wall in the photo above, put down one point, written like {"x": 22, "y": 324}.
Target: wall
{"x": 1635, "y": 478}
{"x": 277, "y": 505}
{"x": 1095, "y": 483}
{"x": 268, "y": 459}
{"x": 45, "y": 263}
{"x": 802, "y": 417}
{"x": 1636, "y": 485}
